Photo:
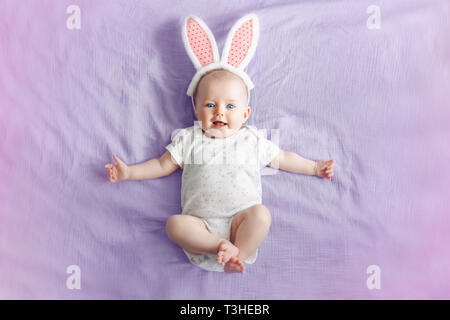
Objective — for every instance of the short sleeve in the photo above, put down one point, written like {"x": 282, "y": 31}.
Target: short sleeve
{"x": 267, "y": 150}
{"x": 179, "y": 146}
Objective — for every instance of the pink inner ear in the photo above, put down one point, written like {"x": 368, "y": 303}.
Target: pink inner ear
{"x": 240, "y": 45}
{"x": 199, "y": 42}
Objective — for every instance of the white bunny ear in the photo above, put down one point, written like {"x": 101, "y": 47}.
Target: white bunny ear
{"x": 199, "y": 42}
{"x": 241, "y": 42}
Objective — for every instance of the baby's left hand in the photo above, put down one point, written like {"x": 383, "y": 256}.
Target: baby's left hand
{"x": 324, "y": 169}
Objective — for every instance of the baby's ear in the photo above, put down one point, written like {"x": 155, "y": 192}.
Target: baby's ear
{"x": 247, "y": 113}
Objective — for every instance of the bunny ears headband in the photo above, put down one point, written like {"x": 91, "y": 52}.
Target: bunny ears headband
{"x": 202, "y": 49}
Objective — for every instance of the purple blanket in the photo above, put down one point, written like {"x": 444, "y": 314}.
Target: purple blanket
{"x": 362, "y": 82}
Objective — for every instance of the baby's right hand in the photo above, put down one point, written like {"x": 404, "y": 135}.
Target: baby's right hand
{"x": 117, "y": 172}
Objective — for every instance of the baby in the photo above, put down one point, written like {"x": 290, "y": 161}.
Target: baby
{"x": 223, "y": 221}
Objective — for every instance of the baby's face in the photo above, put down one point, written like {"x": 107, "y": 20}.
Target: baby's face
{"x": 221, "y": 96}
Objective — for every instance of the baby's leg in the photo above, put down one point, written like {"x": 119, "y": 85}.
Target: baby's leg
{"x": 249, "y": 228}
{"x": 191, "y": 234}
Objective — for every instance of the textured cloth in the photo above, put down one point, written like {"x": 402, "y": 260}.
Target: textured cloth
{"x": 374, "y": 100}
{"x": 220, "y": 177}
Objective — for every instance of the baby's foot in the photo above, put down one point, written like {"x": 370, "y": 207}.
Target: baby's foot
{"x": 226, "y": 251}
{"x": 234, "y": 265}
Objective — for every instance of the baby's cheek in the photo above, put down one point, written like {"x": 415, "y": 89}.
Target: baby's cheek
{"x": 204, "y": 120}
{"x": 237, "y": 124}
{"x": 234, "y": 125}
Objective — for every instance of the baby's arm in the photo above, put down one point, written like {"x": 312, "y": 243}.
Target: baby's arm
{"x": 151, "y": 169}
{"x": 154, "y": 168}
{"x": 292, "y": 162}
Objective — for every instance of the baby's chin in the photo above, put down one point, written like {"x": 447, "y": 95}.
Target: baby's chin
{"x": 220, "y": 132}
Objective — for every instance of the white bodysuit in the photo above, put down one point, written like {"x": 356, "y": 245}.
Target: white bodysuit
{"x": 221, "y": 177}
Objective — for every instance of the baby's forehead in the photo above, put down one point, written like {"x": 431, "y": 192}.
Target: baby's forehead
{"x": 221, "y": 77}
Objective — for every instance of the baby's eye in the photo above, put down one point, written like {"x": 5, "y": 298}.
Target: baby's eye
{"x": 230, "y": 106}
{"x": 210, "y": 105}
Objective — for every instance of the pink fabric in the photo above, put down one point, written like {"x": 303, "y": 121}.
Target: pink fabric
{"x": 240, "y": 45}
{"x": 199, "y": 42}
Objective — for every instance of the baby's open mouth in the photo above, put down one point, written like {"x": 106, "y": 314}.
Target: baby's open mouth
{"x": 219, "y": 123}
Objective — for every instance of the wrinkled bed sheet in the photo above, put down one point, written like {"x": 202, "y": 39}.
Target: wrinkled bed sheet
{"x": 374, "y": 100}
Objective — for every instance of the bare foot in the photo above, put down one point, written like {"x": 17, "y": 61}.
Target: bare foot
{"x": 226, "y": 251}
{"x": 234, "y": 265}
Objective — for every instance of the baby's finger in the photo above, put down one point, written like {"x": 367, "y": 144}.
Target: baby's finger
{"x": 119, "y": 162}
